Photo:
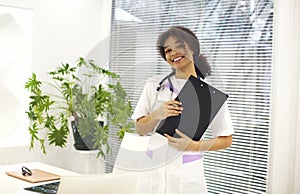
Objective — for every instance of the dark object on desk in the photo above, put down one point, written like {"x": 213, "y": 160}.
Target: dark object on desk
{"x": 201, "y": 102}
{"x": 26, "y": 171}
{"x": 48, "y": 188}
{"x": 37, "y": 176}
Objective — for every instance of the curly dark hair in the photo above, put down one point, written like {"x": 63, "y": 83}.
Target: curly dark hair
{"x": 186, "y": 35}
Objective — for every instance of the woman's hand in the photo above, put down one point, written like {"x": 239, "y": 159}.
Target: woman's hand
{"x": 183, "y": 143}
{"x": 167, "y": 109}
{"x": 146, "y": 124}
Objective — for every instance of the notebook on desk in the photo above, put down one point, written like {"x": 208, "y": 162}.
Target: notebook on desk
{"x": 201, "y": 102}
{"x": 37, "y": 176}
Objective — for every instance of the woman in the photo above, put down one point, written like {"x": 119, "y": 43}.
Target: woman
{"x": 182, "y": 172}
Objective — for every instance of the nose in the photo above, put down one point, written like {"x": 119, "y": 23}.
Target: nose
{"x": 173, "y": 52}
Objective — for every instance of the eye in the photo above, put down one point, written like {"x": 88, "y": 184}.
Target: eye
{"x": 168, "y": 50}
{"x": 181, "y": 46}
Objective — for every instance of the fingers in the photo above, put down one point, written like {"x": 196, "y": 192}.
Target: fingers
{"x": 168, "y": 109}
{"x": 171, "y": 140}
{"x": 180, "y": 143}
{"x": 173, "y": 108}
{"x": 173, "y": 103}
{"x": 180, "y": 133}
{"x": 171, "y": 113}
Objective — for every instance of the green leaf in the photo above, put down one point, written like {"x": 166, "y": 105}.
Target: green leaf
{"x": 79, "y": 97}
{"x": 58, "y": 137}
{"x": 101, "y": 140}
{"x": 31, "y": 114}
{"x": 49, "y": 121}
{"x": 33, "y": 130}
{"x": 33, "y": 85}
{"x": 42, "y": 143}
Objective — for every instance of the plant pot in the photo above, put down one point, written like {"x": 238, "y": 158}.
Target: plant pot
{"x": 82, "y": 143}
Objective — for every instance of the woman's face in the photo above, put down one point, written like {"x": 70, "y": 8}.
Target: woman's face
{"x": 178, "y": 54}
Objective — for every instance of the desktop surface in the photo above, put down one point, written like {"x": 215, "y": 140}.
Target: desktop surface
{"x": 110, "y": 183}
{"x": 69, "y": 183}
{"x": 11, "y": 185}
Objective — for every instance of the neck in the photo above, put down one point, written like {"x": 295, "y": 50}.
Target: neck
{"x": 180, "y": 74}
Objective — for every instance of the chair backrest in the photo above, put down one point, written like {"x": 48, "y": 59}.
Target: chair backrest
{"x": 110, "y": 183}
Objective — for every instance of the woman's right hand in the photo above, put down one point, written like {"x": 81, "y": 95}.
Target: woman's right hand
{"x": 167, "y": 109}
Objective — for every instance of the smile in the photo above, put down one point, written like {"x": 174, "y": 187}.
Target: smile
{"x": 177, "y": 59}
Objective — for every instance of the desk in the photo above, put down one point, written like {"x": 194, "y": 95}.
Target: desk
{"x": 11, "y": 185}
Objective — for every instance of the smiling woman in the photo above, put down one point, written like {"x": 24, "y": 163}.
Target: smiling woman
{"x": 15, "y": 49}
{"x": 177, "y": 46}
{"x": 181, "y": 169}
{"x": 237, "y": 39}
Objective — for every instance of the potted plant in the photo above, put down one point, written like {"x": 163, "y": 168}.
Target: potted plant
{"x": 83, "y": 100}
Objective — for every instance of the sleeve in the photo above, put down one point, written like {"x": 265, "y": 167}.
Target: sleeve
{"x": 143, "y": 106}
{"x": 221, "y": 125}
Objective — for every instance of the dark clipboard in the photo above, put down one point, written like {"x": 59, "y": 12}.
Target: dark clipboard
{"x": 201, "y": 102}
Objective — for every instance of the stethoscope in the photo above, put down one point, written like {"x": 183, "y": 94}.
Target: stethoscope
{"x": 160, "y": 85}
{"x": 171, "y": 88}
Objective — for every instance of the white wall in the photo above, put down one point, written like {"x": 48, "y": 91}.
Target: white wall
{"x": 63, "y": 30}
{"x": 15, "y": 66}
{"x": 285, "y": 131}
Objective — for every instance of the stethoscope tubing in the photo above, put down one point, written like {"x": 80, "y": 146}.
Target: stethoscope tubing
{"x": 169, "y": 80}
{"x": 168, "y": 77}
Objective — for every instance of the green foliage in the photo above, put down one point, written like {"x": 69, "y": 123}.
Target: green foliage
{"x": 121, "y": 106}
{"x": 49, "y": 113}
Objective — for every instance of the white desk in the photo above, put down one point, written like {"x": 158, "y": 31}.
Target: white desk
{"x": 11, "y": 185}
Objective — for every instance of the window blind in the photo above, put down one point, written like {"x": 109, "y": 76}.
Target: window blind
{"x": 236, "y": 37}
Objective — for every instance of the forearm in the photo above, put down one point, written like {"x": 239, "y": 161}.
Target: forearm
{"x": 146, "y": 124}
{"x": 213, "y": 144}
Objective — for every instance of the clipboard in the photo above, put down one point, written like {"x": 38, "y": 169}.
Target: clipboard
{"x": 36, "y": 177}
{"x": 201, "y": 102}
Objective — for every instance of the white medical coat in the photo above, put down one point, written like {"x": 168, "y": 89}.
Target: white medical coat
{"x": 170, "y": 173}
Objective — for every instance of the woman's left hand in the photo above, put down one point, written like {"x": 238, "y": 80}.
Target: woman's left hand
{"x": 183, "y": 143}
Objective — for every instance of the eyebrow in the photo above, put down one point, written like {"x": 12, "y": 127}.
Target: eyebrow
{"x": 178, "y": 41}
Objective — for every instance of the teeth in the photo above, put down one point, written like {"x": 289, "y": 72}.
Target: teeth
{"x": 177, "y": 59}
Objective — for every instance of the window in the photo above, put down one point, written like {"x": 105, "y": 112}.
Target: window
{"x": 236, "y": 36}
